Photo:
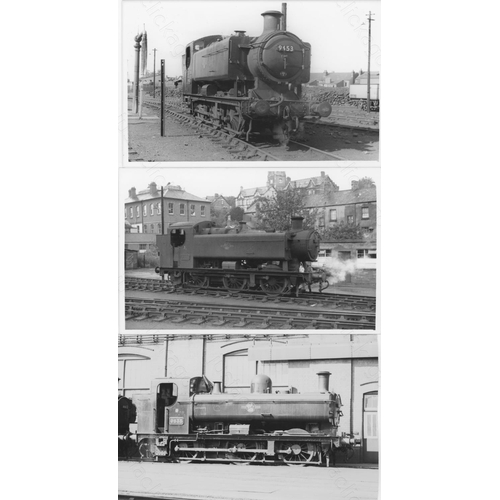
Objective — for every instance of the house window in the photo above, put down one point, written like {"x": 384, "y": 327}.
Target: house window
{"x": 145, "y": 228}
{"x": 182, "y": 209}
{"x": 125, "y": 213}
{"x": 202, "y": 209}
{"x": 170, "y": 209}
{"x": 138, "y": 211}
{"x": 152, "y": 208}
{"x": 365, "y": 213}
{"x": 333, "y": 215}
{"x": 145, "y": 210}
{"x": 365, "y": 253}
{"x": 159, "y": 208}
{"x": 159, "y": 228}
{"x": 142, "y": 246}
{"x": 350, "y": 219}
{"x": 193, "y": 211}
{"x": 321, "y": 222}
{"x": 131, "y": 212}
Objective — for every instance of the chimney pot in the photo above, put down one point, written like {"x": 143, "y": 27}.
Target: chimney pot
{"x": 323, "y": 381}
{"x": 271, "y": 20}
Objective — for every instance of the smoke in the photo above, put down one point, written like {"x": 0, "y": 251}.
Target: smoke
{"x": 336, "y": 270}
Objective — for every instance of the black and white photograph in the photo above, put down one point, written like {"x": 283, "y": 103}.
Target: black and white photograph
{"x": 244, "y": 248}
{"x": 250, "y": 81}
{"x": 248, "y": 416}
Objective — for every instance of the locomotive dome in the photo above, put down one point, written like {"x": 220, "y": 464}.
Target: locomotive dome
{"x": 261, "y": 384}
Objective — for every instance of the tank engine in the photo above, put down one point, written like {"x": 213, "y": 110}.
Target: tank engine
{"x": 188, "y": 420}
{"x": 248, "y": 84}
{"x": 199, "y": 255}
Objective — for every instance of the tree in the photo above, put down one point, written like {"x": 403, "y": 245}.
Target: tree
{"x": 364, "y": 182}
{"x": 343, "y": 231}
{"x": 219, "y": 217}
{"x": 237, "y": 213}
{"x": 277, "y": 212}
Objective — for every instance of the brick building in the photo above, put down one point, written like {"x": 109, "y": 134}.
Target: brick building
{"x": 248, "y": 198}
{"x": 292, "y": 362}
{"x": 143, "y": 213}
{"x": 218, "y": 203}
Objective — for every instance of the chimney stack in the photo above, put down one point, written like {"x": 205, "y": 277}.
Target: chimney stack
{"x": 297, "y": 223}
{"x": 323, "y": 381}
{"x": 132, "y": 193}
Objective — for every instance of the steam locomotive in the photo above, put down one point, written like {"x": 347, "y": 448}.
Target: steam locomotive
{"x": 247, "y": 84}
{"x": 191, "y": 420}
{"x": 198, "y": 255}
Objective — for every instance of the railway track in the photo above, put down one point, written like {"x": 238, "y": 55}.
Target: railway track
{"x": 145, "y": 496}
{"x": 239, "y": 148}
{"x": 244, "y": 316}
{"x": 331, "y": 300}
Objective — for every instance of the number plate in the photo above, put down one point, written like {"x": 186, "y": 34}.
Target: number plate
{"x": 285, "y": 48}
{"x": 176, "y": 420}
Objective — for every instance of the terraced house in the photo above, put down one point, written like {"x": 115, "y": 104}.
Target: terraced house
{"x": 143, "y": 213}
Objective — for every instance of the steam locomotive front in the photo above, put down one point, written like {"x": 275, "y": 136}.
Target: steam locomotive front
{"x": 280, "y": 63}
{"x": 278, "y": 56}
{"x": 304, "y": 243}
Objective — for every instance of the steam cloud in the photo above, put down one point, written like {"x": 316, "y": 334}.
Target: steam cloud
{"x": 337, "y": 270}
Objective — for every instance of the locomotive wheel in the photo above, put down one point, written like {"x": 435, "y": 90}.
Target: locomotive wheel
{"x": 184, "y": 454}
{"x": 146, "y": 448}
{"x": 234, "y": 283}
{"x": 248, "y": 457}
{"x": 300, "y": 453}
{"x": 274, "y": 285}
{"x": 195, "y": 281}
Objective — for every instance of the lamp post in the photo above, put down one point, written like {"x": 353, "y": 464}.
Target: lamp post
{"x": 369, "y": 56}
{"x": 137, "y": 47}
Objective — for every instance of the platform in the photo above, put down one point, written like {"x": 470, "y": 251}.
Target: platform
{"x": 252, "y": 482}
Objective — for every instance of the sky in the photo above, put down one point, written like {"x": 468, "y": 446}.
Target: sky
{"x": 334, "y": 29}
{"x": 206, "y": 181}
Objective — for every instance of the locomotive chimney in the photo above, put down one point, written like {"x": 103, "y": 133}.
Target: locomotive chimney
{"x": 297, "y": 223}
{"x": 323, "y": 381}
{"x": 271, "y": 20}
{"x": 216, "y": 388}
{"x": 240, "y": 32}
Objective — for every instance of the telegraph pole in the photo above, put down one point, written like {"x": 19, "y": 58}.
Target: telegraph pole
{"x": 369, "y": 56}
{"x": 154, "y": 73}
{"x": 162, "y": 98}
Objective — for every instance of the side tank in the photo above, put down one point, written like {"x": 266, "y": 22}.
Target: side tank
{"x": 267, "y": 410}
